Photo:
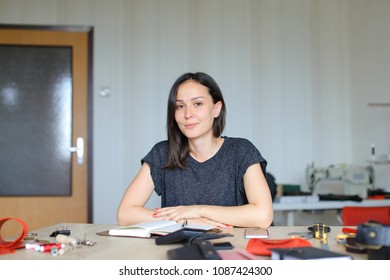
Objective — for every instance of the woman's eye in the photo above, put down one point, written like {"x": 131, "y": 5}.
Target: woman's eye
{"x": 179, "y": 106}
{"x": 197, "y": 104}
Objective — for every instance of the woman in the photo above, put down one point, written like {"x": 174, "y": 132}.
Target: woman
{"x": 202, "y": 178}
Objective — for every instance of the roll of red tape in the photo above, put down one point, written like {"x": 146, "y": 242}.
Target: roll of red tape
{"x": 7, "y": 247}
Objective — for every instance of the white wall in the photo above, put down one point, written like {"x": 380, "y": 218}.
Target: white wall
{"x": 370, "y": 83}
{"x": 296, "y": 74}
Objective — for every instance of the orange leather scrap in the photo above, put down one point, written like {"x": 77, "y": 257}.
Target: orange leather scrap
{"x": 8, "y": 247}
{"x": 259, "y": 246}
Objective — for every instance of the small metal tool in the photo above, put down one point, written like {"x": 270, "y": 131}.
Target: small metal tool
{"x": 63, "y": 230}
{"x": 87, "y": 242}
{"x": 320, "y": 232}
{"x": 301, "y": 234}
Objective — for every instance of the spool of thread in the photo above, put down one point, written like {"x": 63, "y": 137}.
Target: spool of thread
{"x": 54, "y": 251}
{"x": 64, "y": 239}
{"x": 48, "y": 247}
{"x": 33, "y": 246}
{"x": 64, "y": 250}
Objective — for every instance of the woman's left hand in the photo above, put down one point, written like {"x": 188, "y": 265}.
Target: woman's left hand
{"x": 186, "y": 214}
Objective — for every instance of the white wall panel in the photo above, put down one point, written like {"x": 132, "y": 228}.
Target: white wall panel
{"x": 296, "y": 75}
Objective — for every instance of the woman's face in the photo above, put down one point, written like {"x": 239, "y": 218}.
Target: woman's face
{"x": 195, "y": 110}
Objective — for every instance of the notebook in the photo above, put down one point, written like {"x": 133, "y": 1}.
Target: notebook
{"x": 147, "y": 229}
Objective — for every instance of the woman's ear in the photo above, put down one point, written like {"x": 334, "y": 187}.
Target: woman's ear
{"x": 217, "y": 109}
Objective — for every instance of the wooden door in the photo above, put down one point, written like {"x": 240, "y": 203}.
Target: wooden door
{"x": 36, "y": 185}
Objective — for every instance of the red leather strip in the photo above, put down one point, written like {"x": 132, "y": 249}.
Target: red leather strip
{"x": 7, "y": 247}
{"x": 263, "y": 246}
{"x": 349, "y": 230}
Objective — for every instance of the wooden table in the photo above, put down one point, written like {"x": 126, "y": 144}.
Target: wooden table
{"x": 129, "y": 248}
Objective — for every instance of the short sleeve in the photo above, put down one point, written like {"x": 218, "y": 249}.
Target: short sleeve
{"x": 248, "y": 155}
{"x": 156, "y": 160}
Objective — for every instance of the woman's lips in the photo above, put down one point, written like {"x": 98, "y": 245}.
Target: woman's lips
{"x": 191, "y": 125}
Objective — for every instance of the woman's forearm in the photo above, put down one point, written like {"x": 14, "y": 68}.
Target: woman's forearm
{"x": 134, "y": 214}
{"x": 248, "y": 215}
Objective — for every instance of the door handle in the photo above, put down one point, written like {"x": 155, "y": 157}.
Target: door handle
{"x": 79, "y": 150}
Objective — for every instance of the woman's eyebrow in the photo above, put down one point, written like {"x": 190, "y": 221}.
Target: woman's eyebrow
{"x": 192, "y": 99}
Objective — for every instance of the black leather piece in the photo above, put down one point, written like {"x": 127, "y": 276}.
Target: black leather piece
{"x": 198, "y": 250}
{"x": 380, "y": 254}
{"x": 376, "y": 238}
{"x": 352, "y": 247}
{"x": 374, "y": 234}
{"x": 188, "y": 235}
{"x": 337, "y": 197}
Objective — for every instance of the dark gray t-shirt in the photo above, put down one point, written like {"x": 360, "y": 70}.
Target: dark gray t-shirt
{"x": 217, "y": 181}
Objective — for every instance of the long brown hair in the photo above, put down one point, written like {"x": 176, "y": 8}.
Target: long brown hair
{"x": 178, "y": 149}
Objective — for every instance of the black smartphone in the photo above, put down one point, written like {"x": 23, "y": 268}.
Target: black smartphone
{"x": 223, "y": 246}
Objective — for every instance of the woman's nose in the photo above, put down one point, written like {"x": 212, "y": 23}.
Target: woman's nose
{"x": 188, "y": 112}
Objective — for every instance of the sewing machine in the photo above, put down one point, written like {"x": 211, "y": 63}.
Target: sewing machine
{"x": 349, "y": 180}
